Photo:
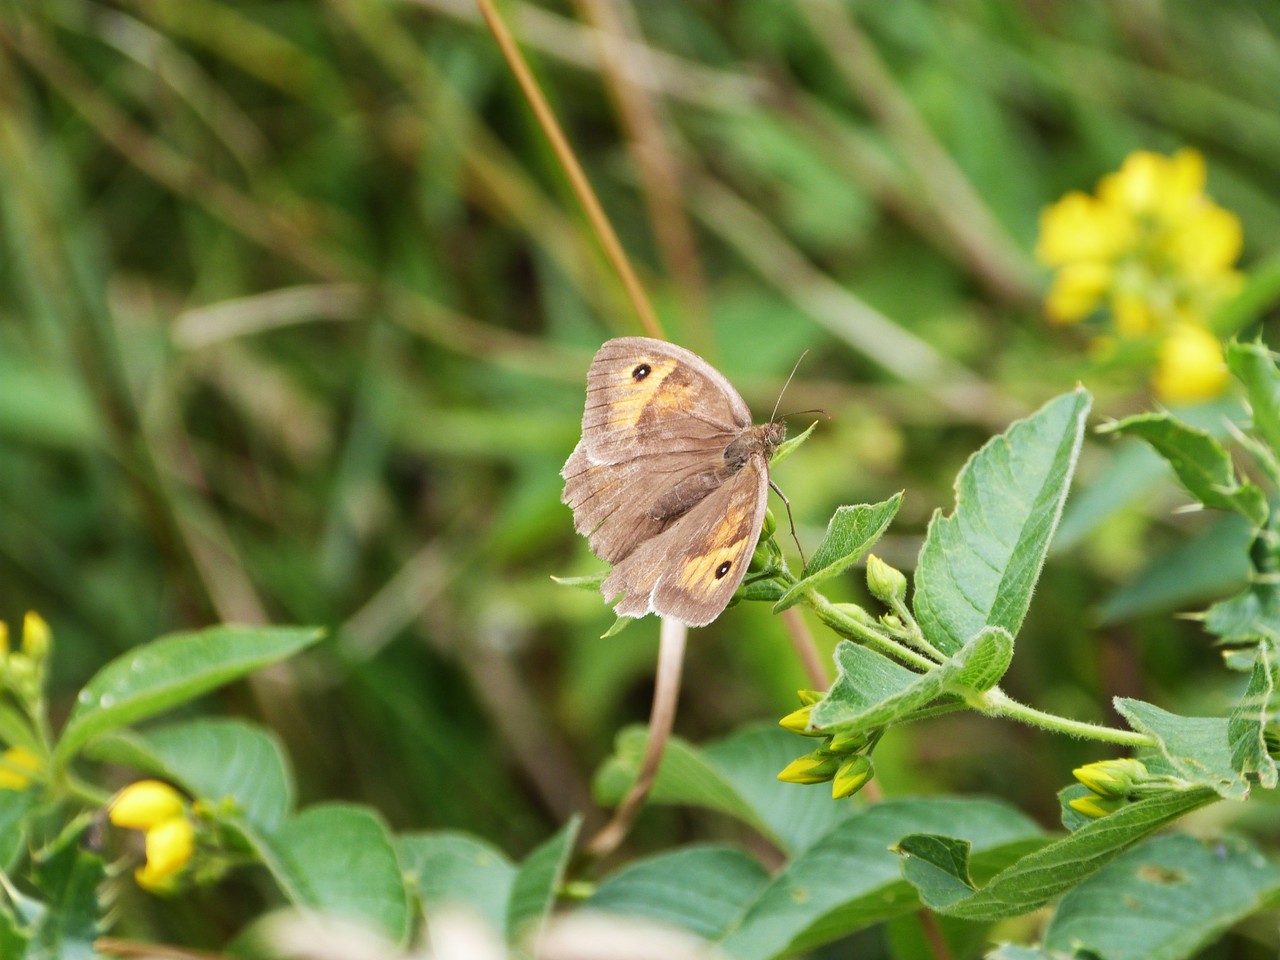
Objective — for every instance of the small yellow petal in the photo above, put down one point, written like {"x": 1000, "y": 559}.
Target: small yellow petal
{"x": 170, "y": 845}
{"x": 1076, "y": 291}
{"x": 142, "y": 805}
{"x": 1138, "y": 184}
{"x": 1190, "y": 366}
{"x": 1079, "y": 227}
{"x": 1133, "y": 314}
{"x": 16, "y": 764}
{"x": 1206, "y": 242}
{"x": 4, "y": 640}
{"x": 35, "y": 636}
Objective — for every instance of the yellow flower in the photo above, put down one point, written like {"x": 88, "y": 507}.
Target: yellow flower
{"x": 142, "y": 805}
{"x": 1080, "y": 227}
{"x": 1153, "y": 250}
{"x": 170, "y": 846}
{"x": 35, "y": 636}
{"x": 1077, "y": 290}
{"x": 16, "y": 766}
{"x": 1190, "y": 366}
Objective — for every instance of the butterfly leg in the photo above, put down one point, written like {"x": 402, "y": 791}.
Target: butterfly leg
{"x": 790, "y": 519}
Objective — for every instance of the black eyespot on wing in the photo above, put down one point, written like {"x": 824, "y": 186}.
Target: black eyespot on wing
{"x": 640, "y": 372}
{"x": 723, "y": 569}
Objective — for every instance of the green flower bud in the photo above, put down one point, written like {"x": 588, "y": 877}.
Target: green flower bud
{"x": 770, "y": 525}
{"x": 850, "y": 741}
{"x": 1113, "y": 779}
{"x": 816, "y": 767}
{"x": 810, "y": 697}
{"x": 852, "y": 776}
{"x": 1095, "y": 806}
{"x": 855, "y": 612}
{"x": 884, "y": 582}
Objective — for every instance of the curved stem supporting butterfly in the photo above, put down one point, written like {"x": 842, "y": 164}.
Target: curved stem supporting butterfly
{"x": 673, "y": 637}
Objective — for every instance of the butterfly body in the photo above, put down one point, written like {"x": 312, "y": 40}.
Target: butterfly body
{"x": 670, "y": 480}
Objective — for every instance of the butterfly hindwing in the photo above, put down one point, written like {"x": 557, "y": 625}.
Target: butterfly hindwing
{"x": 691, "y": 569}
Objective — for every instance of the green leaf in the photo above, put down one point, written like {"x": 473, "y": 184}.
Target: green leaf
{"x": 1179, "y": 893}
{"x": 69, "y": 880}
{"x": 736, "y": 776}
{"x": 873, "y": 691}
{"x": 939, "y": 866}
{"x": 1255, "y": 367}
{"x": 1197, "y": 749}
{"x": 978, "y": 566}
{"x": 454, "y": 868}
{"x": 537, "y": 880}
{"x": 339, "y": 859}
{"x": 703, "y": 889}
{"x": 170, "y": 671}
{"x": 213, "y": 760}
{"x": 851, "y": 532}
{"x": 1200, "y": 462}
{"x": 1249, "y": 754}
{"x": 14, "y": 806}
{"x": 1211, "y": 564}
{"x": 849, "y": 878}
{"x": 1133, "y": 470}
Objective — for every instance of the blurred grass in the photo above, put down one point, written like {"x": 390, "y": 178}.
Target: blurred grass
{"x": 296, "y": 308}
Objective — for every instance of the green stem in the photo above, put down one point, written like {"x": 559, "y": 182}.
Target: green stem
{"x": 915, "y": 636}
{"x": 841, "y": 622}
{"x": 996, "y": 703}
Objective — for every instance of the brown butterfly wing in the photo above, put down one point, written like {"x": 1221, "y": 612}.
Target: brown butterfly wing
{"x": 656, "y": 415}
{"x": 648, "y": 397}
{"x": 611, "y": 501}
{"x": 675, "y": 572}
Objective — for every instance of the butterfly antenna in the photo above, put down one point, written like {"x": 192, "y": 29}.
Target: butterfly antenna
{"x": 796, "y": 413}
{"x": 774, "y": 416}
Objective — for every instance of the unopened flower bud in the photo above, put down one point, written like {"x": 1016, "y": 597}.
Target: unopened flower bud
{"x": 852, "y": 776}
{"x": 1094, "y": 806}
{"x": 1112, "y": 779}
{"x": 816, "y": 767}
{"x": 797, "y": 721}
{"x": 770, "y": 525}
{"x": 884, "y": 582}
{"x": 35, "y": 636}
{"x": 849, "y": 741}
{"x": 810, "y": 697}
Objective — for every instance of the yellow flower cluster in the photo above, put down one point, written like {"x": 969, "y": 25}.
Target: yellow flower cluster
{"x": 161, "y": 812}
{"x": 1158, "y": 255}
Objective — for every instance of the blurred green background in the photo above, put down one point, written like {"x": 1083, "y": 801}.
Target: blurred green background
{"x": 296, "y": 310}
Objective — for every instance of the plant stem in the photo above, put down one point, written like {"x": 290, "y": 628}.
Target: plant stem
{"x": 842, "y": 623}
{"x": 996, "y": 703}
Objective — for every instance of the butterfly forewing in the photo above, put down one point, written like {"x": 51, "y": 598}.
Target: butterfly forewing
{"x": 646, "y": 397}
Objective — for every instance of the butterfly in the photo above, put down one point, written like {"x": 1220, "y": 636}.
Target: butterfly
{"x": 670, "y": 480}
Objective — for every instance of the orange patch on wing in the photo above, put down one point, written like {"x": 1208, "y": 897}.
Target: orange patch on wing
{"x": 633, "y": 396}
{"x": 698, "y": 573}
